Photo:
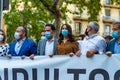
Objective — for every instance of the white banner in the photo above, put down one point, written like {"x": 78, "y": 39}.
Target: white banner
{"x": 99, "y": 67}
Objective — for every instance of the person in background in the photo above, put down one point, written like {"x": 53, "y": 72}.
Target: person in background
{"x": 81, "y": 37}
{"x": 114, "y": 45}
{"x": 48, "y": 46}
{"x": 93, "y": 43}
{"x": 43, "y": 35}
{"x": 66, "y": 44}
{"x": 4, "y": 47}
{"x": 108, "y": 38}
{"x": 22, "y": 46}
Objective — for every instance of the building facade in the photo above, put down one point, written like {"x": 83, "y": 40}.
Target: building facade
{"x": 108, "y": 15}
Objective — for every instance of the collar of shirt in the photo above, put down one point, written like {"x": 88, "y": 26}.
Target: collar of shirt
{"x": 92, "y": 36}
{"x": 22, "y": 40}
{"x": 117, "y": 42}
{"x": 18, "y": 46}
{"x": 51, "y": 40}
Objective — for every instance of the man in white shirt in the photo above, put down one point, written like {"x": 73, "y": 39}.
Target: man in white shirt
{"x": 93, "y": 43}
{"x": 47, "y": 46}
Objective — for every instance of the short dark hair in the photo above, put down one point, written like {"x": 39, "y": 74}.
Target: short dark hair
{"x": 51, "y": 25}
{"x": 108, "y": 37}
{"x": 24, "y": 29}
{"x": 117, "y": 23}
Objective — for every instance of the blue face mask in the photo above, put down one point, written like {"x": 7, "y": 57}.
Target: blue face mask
{"x": 115, "y": 34}
{"x": 47, "y": 35}
{"x": 65, "y": 32}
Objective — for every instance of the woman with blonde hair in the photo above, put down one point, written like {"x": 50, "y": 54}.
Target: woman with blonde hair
{"x": 4, "y": 47}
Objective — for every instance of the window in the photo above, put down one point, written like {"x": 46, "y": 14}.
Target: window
{"x": 107, "y": 13}
{"x": 78, "y": 26}
{"x": 107, "y": 30}
{"x": 108, "y": 2}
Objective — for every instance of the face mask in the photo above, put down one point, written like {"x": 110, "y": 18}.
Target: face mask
{"x": 1, "y": 37}
{"x": 86, "y": 32}
{"x": 43, "y": 37}
{"x": 47, "y": 35}
{"x": 65, "y": 32}
{"x": 115, "y": 34}
{"x": 17, "y": 35}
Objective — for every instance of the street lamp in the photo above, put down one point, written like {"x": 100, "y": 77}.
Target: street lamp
{"x": 1, "y": 9}
{"x": 4, "y": 5}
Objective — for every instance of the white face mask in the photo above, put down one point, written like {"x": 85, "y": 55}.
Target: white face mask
{"x": 1, "y": 37}
{"x": 17, "y": 35}
{"x": 43, "y": 37}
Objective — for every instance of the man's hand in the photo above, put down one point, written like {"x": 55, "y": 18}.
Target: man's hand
{"x": 23, "y": 57}
{"x": 78, "y": 53}
{"x": 9, "y": 56}
{"x": 50, "y": 55}
{"x": 109, "y": 53}
{"x": 32, "y": 57}
{"x": 90, "y": 53}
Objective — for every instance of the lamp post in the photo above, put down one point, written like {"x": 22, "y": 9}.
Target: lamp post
{"x": 1, "y": 14}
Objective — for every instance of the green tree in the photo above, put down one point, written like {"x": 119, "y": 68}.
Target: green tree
{"x": 115, "y": 2}
{"x": 58, "y": 10}
{"x": 36, "y": 11}
{"x": 32, "y": 15}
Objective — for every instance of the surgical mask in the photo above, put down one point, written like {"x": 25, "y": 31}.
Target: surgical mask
{"x": 86, "y": 32}
{"x": 65, "y": 32}
{"x": 47, "y": 35}
{"x": 17, "y": 35}
{"x": 115, "y": 34}
{"x": 1, "y": 37}
{"x": 43, "y": 37}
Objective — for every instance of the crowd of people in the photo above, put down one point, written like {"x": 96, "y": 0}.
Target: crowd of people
{"x": 87, "y": 44}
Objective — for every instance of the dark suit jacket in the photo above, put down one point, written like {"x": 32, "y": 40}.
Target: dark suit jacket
{"x": 42, "y": 45}
{"x": 111, "y": 46}
{"x": 29, "y": 47}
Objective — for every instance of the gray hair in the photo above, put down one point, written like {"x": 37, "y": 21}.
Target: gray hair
{"x": 94, "y": 25}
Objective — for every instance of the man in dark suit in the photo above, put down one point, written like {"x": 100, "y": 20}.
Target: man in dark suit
{"x": 22, "y": 46}
{"x": 47, "y": 46}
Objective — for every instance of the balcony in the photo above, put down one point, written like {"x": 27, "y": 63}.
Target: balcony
{"x": 80, "y": 18}
{"x": 109, "y": 19}
{"x": 109, "y": 5}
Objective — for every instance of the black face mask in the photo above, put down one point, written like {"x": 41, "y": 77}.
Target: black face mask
{"x": 86, "y": 32}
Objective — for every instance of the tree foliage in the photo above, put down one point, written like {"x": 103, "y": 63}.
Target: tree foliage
{"x": 115, "y": 2}
{"x": 58, "y": 9}
{"x": 35, "y": 12}
{"x": 32, "y": 15}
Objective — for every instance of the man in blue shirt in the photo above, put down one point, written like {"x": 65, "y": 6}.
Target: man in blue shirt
{"x": 114, "y": 45}
{"x": 22, "y": 46}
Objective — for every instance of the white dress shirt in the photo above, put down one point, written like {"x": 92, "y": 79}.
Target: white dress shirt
{"x": 49, "y": 47}
{"x": 94, "y": 42}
